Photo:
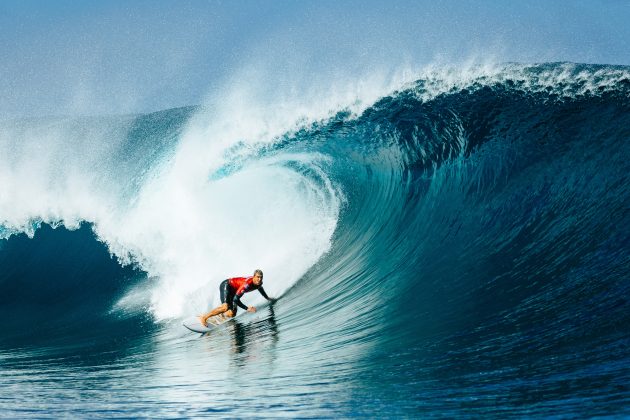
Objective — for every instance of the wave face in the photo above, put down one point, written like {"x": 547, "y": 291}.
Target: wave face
{"x": 460, "y": 246}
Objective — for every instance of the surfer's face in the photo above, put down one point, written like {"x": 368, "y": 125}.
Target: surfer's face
{"x": 257, "y": 280}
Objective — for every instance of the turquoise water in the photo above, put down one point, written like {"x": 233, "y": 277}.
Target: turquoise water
{"x": 445, "y": 252}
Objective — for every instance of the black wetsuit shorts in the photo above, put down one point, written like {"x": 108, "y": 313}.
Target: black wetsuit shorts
{"x": 227, "y": 295}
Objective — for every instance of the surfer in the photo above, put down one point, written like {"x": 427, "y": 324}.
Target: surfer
{"x": 231, "y": 291}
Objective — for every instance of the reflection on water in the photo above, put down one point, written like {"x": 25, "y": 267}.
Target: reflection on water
{"x": 262, "y": 332}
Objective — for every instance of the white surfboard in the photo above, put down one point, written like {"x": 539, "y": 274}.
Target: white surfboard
{"x": 194, "y": 323}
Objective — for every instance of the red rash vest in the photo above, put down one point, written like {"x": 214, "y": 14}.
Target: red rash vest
{"x": 242, "y": 285}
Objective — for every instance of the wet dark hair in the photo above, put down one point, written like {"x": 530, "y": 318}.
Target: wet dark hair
{"x": 258, "y": 271}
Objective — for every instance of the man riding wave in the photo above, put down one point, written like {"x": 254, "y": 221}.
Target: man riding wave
{"x": 231, "y": 291}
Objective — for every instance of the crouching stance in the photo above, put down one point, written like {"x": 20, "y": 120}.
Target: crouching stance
{"x": 232, "y": 290}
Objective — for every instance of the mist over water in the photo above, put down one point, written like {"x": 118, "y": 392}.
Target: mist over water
{"x": 447, "y": 242}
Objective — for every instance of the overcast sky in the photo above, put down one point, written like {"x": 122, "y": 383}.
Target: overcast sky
{"x": 103, "y": 57}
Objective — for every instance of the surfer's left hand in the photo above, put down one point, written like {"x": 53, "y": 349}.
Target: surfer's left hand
{"x": 251, "y": 309}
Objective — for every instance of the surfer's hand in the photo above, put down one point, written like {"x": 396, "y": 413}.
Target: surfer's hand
{"x": 251, "y": 309}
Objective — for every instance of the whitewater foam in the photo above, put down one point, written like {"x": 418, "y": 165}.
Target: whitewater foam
{"x": 191, "y": 230}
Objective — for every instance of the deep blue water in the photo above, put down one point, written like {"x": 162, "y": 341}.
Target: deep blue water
{"x": 478, "y": 262}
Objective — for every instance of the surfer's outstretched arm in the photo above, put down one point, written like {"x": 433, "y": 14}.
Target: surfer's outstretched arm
{"x": 262, "y": 292}
{"x": 237, "y": 301}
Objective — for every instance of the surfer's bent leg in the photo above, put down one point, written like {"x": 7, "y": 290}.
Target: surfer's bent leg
{"x": 229, "y": 301}
{"x": 224, "y": 292}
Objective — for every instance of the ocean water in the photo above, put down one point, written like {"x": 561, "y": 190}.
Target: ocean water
{"x": 457, "y": 245}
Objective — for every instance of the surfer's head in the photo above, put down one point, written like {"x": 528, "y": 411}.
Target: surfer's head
{"x": 258, "y": 277}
